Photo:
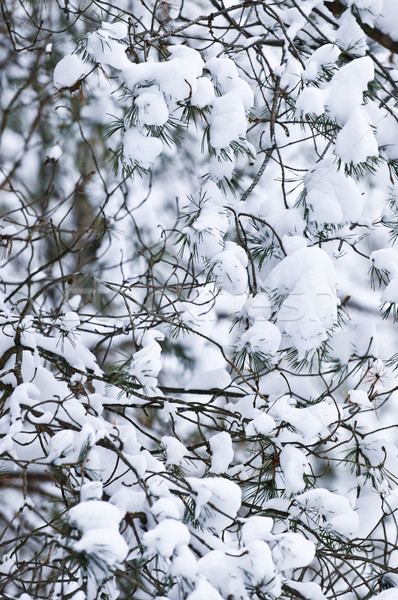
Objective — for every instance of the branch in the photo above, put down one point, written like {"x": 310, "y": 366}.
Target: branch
{"x": 207, "y": 392}
{"x": 295, "y": 593}
{"x": 337, "y": 8}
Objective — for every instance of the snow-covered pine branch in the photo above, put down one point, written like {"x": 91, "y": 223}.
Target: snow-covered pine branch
{"x": 199, "y": 290}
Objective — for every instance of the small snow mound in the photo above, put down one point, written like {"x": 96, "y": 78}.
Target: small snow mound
{"x": 69, "y": 70}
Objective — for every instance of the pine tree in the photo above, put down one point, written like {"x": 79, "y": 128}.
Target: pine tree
{"x": 199, "y": 290}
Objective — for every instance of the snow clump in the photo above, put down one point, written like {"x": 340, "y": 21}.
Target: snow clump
{"x": 101, "y": 543}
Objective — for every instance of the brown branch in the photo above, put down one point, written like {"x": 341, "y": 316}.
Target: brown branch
{"x": 337, "y": 8}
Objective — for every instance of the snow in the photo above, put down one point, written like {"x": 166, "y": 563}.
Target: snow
{"x": 222, "y": 572}
{"x": 257, "y": 528}
{"x": 359, "y": 338}
{"x": 258, "y": 308}
{"x": 368, "y": 9}
{"x": 263, "y": 337}
{"x": 286, "y": 274}
{"x": 140, "y": 74}
{"x": 141, "y": 149}
{"x": 225, "y": 497}
{"x": 184, "y": 564}
{"x": 308, "y": 312}
{"x": 178, "y": 76}
{"x": 75, "y": 353}
{"x": 312, "y": 100}
{"x": 94, "y": 514}
{"x": 211, "y": 226}
{"x": 369, "y": 508}
{"x": 294, "y": 465}
{"x": 67, "y": 446}
{"x": 118, "y": 30}
{"x": 175, "y": 450}
{"x": 384, "y": 131}
{"x": 229, "y": 269}
{"x": 262, "y": 424}
{"x": 128, "y": 500}
{"x": 222, "y": 453}
{"x": 331, "y": 196}
{"x": 350, "y": 35}
{"x": 62, "y": 445}
{"x": 212, "y": 379}
{"x": 101, "y": 541}
{"x": 360, "y": 398}
{"x": 226, "y": 75}
{"x": 310, "y": 422}
{"x": 345, "y": 92}
{"x": 386, "y": 595}
{"x": 92, "y": 490}
{"x": 291, "y": 243}
{"x": 204, "y": 590}
{"x": 69, "y": 70}
{"x": 146, "y": 363}
{"x": 215, "y": 424}
{"x": 307, "y": 279}
{"x": 166, "y": 508}
{"x": 166, "y": 537}
{"x": 53, "y": 153}
{"x": 325, "y": 56}
{"x": 104, "y": 48}
{"x": 356, "y": 141}
{"x": 107, "y": 544}
{"x": 204, "y": 94}
{"x": 291, "y": 551}
{"x": 342, "y": 99}
{"x": 219, "y": 168}
{"x": 387, "y": 18}
{"x": 228, "y": 121}
{"x": 257, "y": 563}
{"x": 385, "y": 259}
{"x": 390, "y": 294}
{"x": 152, "y": 107}
{"x": 69, "y": 321}
{"x": 334, "y": 509}
{"x": 307, "y": 590}
{"x": 25, "y": 393}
